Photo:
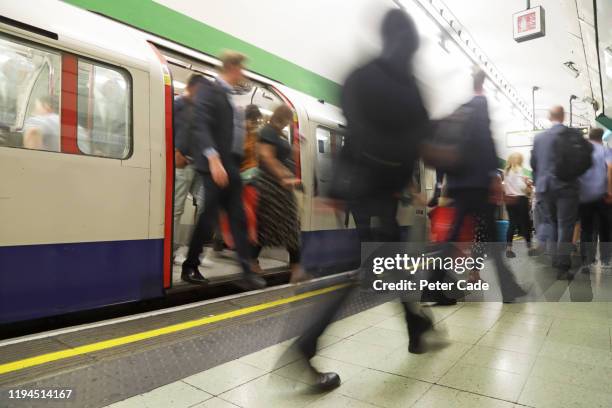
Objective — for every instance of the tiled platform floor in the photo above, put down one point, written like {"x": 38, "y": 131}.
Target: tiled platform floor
{"x": 499, "y": 355}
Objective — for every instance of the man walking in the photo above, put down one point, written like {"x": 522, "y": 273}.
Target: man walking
{"x": 220, "y": 172}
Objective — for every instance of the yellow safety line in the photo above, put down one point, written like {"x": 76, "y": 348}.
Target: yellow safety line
{"x": 120, "y": 341}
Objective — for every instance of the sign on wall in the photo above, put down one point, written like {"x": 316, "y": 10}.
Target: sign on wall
{"x": 529, "y": 24}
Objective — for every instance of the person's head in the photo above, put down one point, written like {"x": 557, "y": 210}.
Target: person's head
{"x": 400, "y": 39}
{"x": 478, "y": 80}
{"x": 556, "y": 114}
{"x": 232, "y": 66}
{"x": 253, "y": 116}
{"x": 193, "y": 83}
{"x": 45, "y": 105}
{"x": 282, "y": 117}
{"x": 596, "y": 135}
{"x": 514, "y": 162}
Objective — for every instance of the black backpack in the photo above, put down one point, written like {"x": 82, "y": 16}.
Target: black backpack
{"x": 445, "y": 151}
{"x": 572, "y": 154}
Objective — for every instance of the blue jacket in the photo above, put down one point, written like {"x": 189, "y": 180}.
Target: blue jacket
{"x": 543, "y": 162}
{"x": 480, "y": 163}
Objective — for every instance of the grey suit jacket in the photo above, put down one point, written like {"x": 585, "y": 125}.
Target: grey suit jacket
{"x": 543, "y": 162}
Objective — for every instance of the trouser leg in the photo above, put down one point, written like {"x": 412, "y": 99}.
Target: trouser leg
{"x": 197, "y": 192}
{"x": 232, "y": 202}
{"x": 524, "y": 220}
{"x": 605, "y": 232}
{"x": 587, "y": 219}
{"x": 206, "y": 222}
{"x": 307, "y": 342}
{"x": 513, "y": 215}
{"x": 567, "y": 211}
{"x": 182, "y": 181}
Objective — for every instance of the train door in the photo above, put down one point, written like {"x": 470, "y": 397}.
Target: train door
{"x": 74, "y": 154}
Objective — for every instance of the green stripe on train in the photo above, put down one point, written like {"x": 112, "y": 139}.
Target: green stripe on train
{"x": 162, "y": 21}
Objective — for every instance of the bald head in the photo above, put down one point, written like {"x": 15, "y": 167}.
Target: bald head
{"x": 556, "y": 114}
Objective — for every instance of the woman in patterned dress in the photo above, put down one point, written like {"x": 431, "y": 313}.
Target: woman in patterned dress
{"x": 277, "y": 214}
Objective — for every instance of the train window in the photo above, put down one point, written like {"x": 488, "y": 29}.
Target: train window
{"x": 103, "y": 111}
{"x": 29, "y": 96}
{"x": 329, "y": 143}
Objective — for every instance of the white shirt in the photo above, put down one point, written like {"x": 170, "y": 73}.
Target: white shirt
{"x": 514, "y": 183}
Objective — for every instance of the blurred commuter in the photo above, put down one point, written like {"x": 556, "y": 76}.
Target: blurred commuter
{"x": 42, "y": 130}
{"x": 186, "y": 148}
{"x": 248, "y": 172}
{"x": 595, "y": 194}
{"x": 558, "y": 157}
{"x": 278, "y": 224}
{"x": 386, "y": 123}
{"x": 220, "y": 171}
{"x": 516, "y": 189}
{"x": 249, "y": 164}
{"x": 475, "y": 185}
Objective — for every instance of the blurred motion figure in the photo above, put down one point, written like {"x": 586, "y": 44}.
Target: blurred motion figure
{"x": 386, "y": 122}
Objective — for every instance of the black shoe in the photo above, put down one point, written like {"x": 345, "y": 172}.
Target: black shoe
{"x": 586, "y": 269}
{"x": 510, "y": 254}
{"x": 252, "y": 281}
{"x": 191, "y": 274}
{"x": 416, "y": 330}
{"x": 327, "y": 381}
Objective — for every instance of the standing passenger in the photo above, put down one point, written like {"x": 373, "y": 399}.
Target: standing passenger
{"x": 185, "y": 180}
{"x": 219, "y": 170}
{"x": 594, "y": 211}
{"x": 559, "y": 198}
{"x": 278, "y": 223}
{"x": 516, "y": 187}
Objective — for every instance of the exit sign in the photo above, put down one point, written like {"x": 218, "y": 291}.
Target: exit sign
{"x": 529, "y": 24}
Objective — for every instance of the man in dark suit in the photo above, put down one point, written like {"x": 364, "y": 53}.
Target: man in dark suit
{"x": 220, "y": 172}
{"x": 559, "y": 198}
{"x": 474, "y": 188}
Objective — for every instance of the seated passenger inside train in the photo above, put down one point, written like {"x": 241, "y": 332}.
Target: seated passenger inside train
{"x": 42, "y": 130}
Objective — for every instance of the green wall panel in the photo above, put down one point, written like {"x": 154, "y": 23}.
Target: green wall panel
{"x": 165, "y": 22}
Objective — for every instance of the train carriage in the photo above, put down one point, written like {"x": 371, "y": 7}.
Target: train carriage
{"x": 86, "y": 212}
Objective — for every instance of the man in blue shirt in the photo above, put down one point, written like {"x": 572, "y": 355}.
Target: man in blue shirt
{"x": 594, "y": 207}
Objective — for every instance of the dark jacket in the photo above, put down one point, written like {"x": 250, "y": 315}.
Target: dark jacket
{"x": 183, "y": 127}
{"x": 213, "y": 125}
{"x": 480, "y": 163}
{"x": 543, "y": 162}
{"x": 385, "y": 114}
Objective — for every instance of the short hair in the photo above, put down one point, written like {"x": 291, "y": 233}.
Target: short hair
{"x": 194, "y": 80}
{"x": 230, "y": 59}
{"x": 478, "y": 79}
{"x": 596, "y": 134}
{"x": 281, "y": 114}
{"x": 557, "y": 113}
{"x": 252, "y": 112}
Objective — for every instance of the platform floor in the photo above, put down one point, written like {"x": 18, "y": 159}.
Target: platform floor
{"x": 499, "y": 355}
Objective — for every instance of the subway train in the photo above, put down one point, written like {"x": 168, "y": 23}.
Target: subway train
{"x": 86, "y": 209}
